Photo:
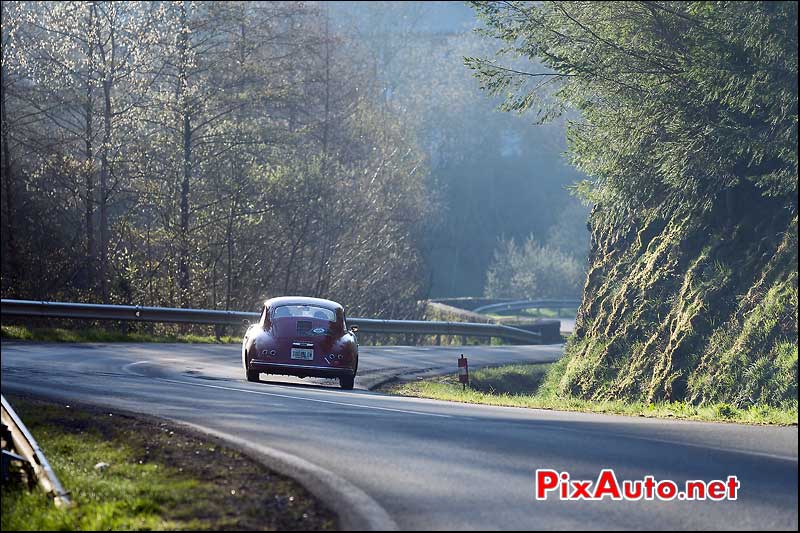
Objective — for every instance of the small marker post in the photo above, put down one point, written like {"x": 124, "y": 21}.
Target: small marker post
{"x": 463, "y": 371}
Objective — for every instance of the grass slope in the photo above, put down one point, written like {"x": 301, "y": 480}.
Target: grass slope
{"x": 160, "y": 477}
{"x": 532, "y": 386}
{"x": 101, "y": 335}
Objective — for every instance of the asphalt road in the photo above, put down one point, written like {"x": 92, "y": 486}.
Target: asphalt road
{"x": 430, "y": 464}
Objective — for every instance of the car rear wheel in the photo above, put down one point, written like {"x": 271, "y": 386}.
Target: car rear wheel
{"x": 347, "y": 382}
{"x": 252, "y": 375}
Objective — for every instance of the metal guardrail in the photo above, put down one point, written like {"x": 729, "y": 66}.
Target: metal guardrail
{"x": 29, "y": 450}
{"x": 123, "y": 312}
{"x": 468, "y": 303}
{"x": 519, "y": 305}
{"x": 214, "y": 317}
{"x": 424, "y": 327}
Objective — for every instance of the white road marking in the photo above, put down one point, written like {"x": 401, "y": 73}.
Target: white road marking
{"x": 127, "y": 368}
{"x": 619, "y": 434}
{"x": 708, "y": 447}
{"x": 288, "y": 396}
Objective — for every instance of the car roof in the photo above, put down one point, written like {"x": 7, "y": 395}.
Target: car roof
{"x": 302, "y": 300}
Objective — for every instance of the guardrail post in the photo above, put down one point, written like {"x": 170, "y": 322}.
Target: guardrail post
{"x": 25, "y": 446}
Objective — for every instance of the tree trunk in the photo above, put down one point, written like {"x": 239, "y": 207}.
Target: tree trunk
{"x": 229, "y": 247}
{"x": 89, "y": 170}
{"x": 9, "y": 193}
{"x": 104, "y": 173}
{"x": 183, "y": 253}
{"x": 323, "y": 275}
{"x": 184, "y": 228}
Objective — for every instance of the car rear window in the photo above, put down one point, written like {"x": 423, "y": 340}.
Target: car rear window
{"x": 304, "y": 311}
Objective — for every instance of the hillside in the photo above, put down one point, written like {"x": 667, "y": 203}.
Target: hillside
{"x": 698, "y": 306}
{"x": 684, "y": 115}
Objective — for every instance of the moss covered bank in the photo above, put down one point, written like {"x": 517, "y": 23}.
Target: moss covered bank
{"x": 698, "y": 306}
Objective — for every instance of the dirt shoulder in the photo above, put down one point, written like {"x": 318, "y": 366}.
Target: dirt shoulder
{"x": 159, "y": 476}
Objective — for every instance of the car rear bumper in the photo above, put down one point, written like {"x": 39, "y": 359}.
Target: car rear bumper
{"x": 300, "y": 370}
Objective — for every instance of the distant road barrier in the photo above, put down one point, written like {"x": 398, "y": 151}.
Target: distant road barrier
{"x": 468, "y": 303}
{"x": 30, "y": 308}
{"x": 520, "y": 305}
{"x": 424, "y": 327}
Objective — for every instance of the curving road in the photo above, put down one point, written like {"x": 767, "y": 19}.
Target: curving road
{"x": 431, "y": 464}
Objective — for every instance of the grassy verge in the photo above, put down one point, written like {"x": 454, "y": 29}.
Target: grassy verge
{"x": 521, "y": 386}
{"x": 24, "y": 333}
{"x": 159, "y": 477}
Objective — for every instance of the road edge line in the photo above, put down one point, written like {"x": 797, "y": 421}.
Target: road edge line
{"x": 356, "y": 510}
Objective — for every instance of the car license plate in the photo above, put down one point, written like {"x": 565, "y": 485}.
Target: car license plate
{"x": 305, "y": 354}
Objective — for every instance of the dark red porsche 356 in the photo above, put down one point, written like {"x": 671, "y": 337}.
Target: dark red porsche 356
{"x": 303, "y": 337}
